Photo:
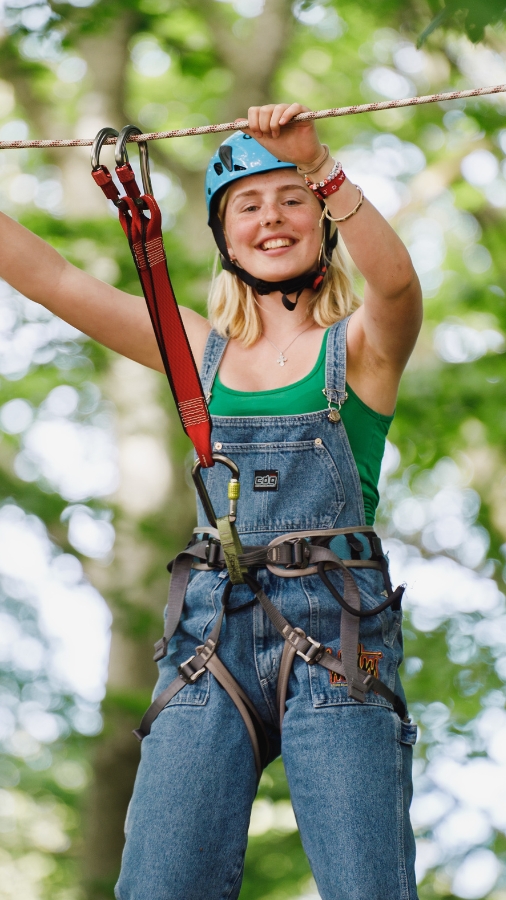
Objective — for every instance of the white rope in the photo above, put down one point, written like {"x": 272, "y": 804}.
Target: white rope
{"x": 243, "y": 123}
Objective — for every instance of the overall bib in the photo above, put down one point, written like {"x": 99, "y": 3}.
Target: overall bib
{"x": 348, "y": 763}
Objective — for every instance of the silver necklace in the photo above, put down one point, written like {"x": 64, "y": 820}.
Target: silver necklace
{"x": 282, "y": 359}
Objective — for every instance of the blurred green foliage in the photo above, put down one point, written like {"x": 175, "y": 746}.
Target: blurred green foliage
{"x": 329, "y": 53}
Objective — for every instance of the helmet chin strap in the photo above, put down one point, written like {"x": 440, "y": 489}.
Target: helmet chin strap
{"x": 295, "y": 285}
{"x": 289, "y": 304}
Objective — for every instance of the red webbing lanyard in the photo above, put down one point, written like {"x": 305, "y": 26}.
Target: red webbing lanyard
{"x": 146, "y": 244}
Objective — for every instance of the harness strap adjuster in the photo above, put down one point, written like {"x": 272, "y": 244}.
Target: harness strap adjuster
{"x": 313, "y": 653}
{"x": 187, "y": 670}
{"x": 306, "y": 647}
{"x": 213, "y": 552}
{"x": 188, "y": 673}
{"x": 160, "y": 649}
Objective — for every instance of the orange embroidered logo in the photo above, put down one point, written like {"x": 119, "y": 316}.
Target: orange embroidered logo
{"x": 368, "y": 661}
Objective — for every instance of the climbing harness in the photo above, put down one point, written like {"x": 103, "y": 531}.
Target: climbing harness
{"x": 293, "y": 555}
{"x": 218, "y": 547}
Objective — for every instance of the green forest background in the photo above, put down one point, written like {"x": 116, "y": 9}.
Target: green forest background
{"x": 73, "y": 415}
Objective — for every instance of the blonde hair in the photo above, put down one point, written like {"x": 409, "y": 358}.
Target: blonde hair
{"x": 233, "y": 308}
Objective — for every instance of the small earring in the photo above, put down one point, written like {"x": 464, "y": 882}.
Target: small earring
{"x": 262, "y": 224}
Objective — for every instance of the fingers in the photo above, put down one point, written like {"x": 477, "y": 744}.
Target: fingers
{"x": 267, "y": 121}
{"x": 291, "y": 111}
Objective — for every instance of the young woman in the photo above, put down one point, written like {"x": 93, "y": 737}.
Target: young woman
{"x": 302, "y": 381}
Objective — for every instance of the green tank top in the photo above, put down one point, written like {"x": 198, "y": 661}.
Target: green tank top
{"x": 366, "y": 429}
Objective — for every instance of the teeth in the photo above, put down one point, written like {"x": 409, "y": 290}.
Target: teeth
{"x": 277, "y": 242}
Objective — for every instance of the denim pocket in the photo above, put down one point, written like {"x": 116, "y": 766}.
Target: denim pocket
{"x": 376, "y": 653}
{"x": 193, "y": 694}
{"x": 302, "y": 471}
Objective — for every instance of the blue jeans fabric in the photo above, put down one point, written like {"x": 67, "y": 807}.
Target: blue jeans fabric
{"x": 348, "y": 763}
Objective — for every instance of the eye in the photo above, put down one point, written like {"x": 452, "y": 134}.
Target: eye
{"x": 292, "y": 202}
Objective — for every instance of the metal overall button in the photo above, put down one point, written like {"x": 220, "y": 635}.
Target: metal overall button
{"x": 318, "y": 442}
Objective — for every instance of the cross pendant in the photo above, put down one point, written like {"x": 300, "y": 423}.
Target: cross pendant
{"x": 281, "y": 360}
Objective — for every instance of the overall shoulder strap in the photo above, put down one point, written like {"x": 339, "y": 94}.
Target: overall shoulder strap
{"x": 214, "y": 350}
{"x": 335, "y": 369}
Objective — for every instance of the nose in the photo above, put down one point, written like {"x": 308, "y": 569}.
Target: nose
{"x": 271, "y": 215}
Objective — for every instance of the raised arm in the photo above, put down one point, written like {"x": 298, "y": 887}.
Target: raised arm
{"x": 383, "y": 332}
{"x": 114, "y": 318}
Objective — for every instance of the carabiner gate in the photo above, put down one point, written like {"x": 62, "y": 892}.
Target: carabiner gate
{"x": 234, "y": 488}
{"x": 121, "y": 155}
{"x": 98, "y": 143}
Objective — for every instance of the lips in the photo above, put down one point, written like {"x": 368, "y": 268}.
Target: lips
{"x": 276, "y": 243}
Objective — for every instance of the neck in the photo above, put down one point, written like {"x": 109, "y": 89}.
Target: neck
{"x": 279, "y": 321}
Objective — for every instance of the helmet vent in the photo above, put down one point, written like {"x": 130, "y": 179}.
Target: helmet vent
{"x": 218, "y": 168}
{"x": 225, "y": 154}
{"x": 240, "y": 169}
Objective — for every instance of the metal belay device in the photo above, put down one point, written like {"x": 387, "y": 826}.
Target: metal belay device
{"x": 218, "y": 547}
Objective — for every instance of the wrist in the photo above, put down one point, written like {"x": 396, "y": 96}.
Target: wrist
{"x": 327, "y": 185}
{"x": 318, "y": 162}
{"x": 323, "y": 171}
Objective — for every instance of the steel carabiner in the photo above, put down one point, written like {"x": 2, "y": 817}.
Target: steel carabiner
{"x": 121, "y": 155}
{"x": 234, "y": 488}
{"x": 98, "y": 143}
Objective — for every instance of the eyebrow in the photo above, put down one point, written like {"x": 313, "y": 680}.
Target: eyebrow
{"x": 253, "y": 191}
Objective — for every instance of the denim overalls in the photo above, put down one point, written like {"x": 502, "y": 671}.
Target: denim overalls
{"x": 348, "y": 763}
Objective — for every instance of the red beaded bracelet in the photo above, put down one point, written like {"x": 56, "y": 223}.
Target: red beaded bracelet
{"x": 324, "y": 189}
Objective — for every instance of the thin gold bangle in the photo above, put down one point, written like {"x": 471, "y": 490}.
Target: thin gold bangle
{"x": 350, "y": 214}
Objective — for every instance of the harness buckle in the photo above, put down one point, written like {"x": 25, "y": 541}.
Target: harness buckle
{"x": 293, "y": 553}
{"x": 213, "y": 552}
{"x": 314, "y": 652}
{"x": 188, "y": 673}
{"x": 300, "y": 553}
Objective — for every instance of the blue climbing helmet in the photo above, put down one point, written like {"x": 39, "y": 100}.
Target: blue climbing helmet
{"x": 238, "y": 156}
{"x": 241, "y": 155}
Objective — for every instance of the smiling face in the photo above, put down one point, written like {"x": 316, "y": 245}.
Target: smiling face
{"x": 272, "y": 225}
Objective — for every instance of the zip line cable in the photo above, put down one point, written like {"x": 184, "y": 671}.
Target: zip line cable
{"x": 243, "y": 123}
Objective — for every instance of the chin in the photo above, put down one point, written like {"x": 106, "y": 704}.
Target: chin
{"x": 278, "y": 272}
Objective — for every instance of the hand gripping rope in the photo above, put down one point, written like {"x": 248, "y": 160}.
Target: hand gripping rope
{"x": 220, "y": 547}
